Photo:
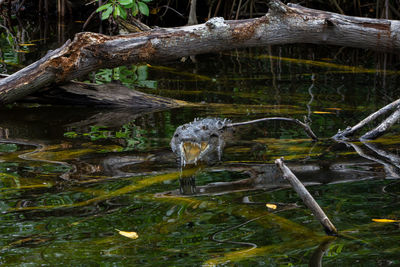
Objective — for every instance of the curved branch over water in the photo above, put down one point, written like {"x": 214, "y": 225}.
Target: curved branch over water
{"x": 305, "y": 126}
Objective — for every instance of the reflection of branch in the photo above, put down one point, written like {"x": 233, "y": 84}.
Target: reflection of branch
{"x": 307, "y": 198}
{"x": 392, "y": 157}
{"x": 252, "y": 245}
{"x": 311, "y": 100}
{"x": 316, "y": 257}
{"x": 305, "y": 126}
{"x": 390, "y": 169}
{"x": 40, "y": 148}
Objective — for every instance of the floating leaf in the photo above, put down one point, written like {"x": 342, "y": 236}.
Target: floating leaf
{"x": 271, "y": 206}
{"x": 322, "y": 112}
{"x": 385, "y": 220}
{"x": 131, "y": 235}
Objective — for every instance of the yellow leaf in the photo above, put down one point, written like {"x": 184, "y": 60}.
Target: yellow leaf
{"x": 322, "y": 112}
{"x": 385, "y": 220}
{"x": 271, "y": 206}
{"x": 154, "y": 11}
{"x": 334, "y": 108}
{"x": 132, "y": 235}
{"x": 27, "y": 44}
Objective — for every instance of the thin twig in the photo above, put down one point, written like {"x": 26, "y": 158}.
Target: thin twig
{"x": 305, "y": 126}
{"x": 88, "y": 19}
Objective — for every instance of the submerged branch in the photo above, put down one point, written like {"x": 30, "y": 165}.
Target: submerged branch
{"x": 307, "y": 198}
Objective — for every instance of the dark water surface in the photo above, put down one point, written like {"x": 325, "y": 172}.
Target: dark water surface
{"x": 71, "y": 177}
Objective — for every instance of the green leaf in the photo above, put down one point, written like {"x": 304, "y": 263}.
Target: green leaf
{"x": 122, "y": 12}
{"x": 129, "y": 5}
{"x": 116, "y": 11}
{"x": 146, "y": 1}
{"x": 107, "y": 13}
{"x": 144, "y": 9}
{"x": 135, "y": 10}
{"x": 126, "y": 2}
{"x": 103, "y": 7}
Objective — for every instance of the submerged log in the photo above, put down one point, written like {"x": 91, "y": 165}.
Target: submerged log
{"x": 283, "y": 24}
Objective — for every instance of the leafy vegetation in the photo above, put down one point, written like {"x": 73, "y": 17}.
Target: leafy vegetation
{"x": 121, "y": 8}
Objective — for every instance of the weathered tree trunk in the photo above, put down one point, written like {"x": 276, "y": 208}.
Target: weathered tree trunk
{"x": 281, "y": 25}
{"x": 192, "y": 14}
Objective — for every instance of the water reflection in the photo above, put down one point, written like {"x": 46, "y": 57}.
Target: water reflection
{"x": 123, "y": 174}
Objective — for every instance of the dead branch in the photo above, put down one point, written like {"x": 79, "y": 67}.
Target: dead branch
{"x": 349, "y": 131}
{"x": 305, "y": 126}
{"x": 383, "y": 127}
{"x": 307, "y": 198}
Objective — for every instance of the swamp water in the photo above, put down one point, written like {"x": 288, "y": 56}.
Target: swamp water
{"x": 72, "y": 177}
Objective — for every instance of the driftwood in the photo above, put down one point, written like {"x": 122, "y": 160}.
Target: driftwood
{"x": 380, "y": 129}
{"x": 283, "y": 24}
{"x": 310, "y": 202}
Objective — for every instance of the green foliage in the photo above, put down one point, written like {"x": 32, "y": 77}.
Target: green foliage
{"x": 121, "y": 8}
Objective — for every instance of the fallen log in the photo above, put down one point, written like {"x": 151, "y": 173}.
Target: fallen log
{"x": 283, "y": 24}
{"x": 307, "y": 198}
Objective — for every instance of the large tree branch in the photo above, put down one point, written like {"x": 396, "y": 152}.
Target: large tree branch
{"x": 281, "y": 25}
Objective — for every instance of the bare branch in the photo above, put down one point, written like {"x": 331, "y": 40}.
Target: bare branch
{"x": 383, "y": 127}
{"x": 351, "y": 130}
{"x": 305, "y": 126}
{"x": 307, "y": 198}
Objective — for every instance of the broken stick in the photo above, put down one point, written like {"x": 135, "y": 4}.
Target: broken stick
{"x": 307, "y": 198}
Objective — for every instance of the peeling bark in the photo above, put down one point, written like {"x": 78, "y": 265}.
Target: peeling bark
{"x": 283, "y": 24}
